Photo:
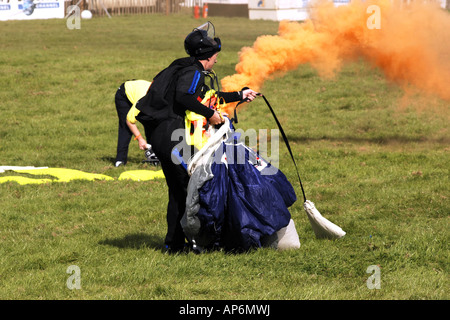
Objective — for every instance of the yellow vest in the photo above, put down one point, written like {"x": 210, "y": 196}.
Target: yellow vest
{"x": 195, "y": 131}
{"x": 135, "y": 90}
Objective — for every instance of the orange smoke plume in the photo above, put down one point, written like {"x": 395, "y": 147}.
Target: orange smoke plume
{"x": 409, "y": 43}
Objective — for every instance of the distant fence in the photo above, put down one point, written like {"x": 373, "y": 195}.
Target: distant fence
{"x": 119, "y": 7}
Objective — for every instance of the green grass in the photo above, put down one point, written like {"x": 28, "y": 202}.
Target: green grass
{"x": 374, "y": 163}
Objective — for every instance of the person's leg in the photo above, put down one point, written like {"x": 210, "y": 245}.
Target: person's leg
{"x": 123, "y": 105}
{"x": 177, "y": 180}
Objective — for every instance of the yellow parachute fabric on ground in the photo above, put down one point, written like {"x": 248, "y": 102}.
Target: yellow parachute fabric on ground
{"x": 141, "y": 175}
{"x": 23, "y": 180}
{"x": 67, "y": 175}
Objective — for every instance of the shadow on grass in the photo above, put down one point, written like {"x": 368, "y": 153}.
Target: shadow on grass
{"x": 375, "y": 140}
{"x": 136, "y": 241}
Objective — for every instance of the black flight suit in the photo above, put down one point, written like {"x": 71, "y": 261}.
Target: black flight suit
{"x": 173, "y": 91}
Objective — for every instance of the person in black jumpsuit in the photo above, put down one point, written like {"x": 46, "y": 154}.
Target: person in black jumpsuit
{"x": 173, "y": 91}
{"x": 126, "y": 96}
{"x": 123, "y": 105}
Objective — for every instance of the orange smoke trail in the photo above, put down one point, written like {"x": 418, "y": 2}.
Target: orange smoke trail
{"x": 411, "y": 47}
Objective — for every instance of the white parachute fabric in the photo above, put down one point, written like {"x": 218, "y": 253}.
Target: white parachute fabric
{"x": 322, "y": 227}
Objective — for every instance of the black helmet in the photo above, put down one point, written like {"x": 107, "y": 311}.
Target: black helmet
{"x": 201, "y": 43}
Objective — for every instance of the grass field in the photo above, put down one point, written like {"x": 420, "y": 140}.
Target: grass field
{"x": 373, "y": 162}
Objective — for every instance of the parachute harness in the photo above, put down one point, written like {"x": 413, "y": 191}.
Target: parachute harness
{"x": 198, "y": 130}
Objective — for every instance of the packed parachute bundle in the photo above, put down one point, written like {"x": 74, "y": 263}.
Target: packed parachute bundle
{"x": 237, "y": 200}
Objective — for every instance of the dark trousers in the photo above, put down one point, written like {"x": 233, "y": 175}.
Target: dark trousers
{"x": 177, "y": 178}
{"x": 123, "y": 105}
